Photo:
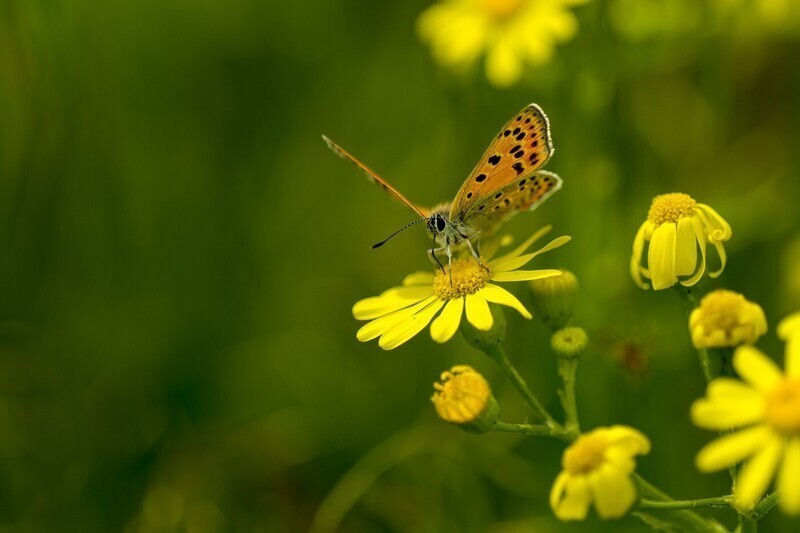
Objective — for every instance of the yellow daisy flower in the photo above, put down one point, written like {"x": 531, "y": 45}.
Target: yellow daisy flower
{"x": 401, "y": 312}
{"x": 597, "y": 469}
{"x": 676, "y": 227}
{"x": 726, "y": 318}
{"x": 767, "y": 408}
{"x": 511, "y": 32}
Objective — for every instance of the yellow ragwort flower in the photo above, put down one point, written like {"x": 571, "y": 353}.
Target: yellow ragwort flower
{"x": 725, "y": 319}
{"x": 401, "y": 312}
{"x": 597, "y": 469}
{"x": 512, "y": 33}
{"x": 465, "y": 399}
{"x": 676, "y": 227}
{"x": 767, "y": 408}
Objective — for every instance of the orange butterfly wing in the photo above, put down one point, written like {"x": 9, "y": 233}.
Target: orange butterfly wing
{"x": 374, "y": 178}
{"x": 521, "y": 148}
{"x": 523, "y": 194}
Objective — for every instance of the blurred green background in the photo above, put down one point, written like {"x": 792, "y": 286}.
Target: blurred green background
{"x": 179, "y": 253}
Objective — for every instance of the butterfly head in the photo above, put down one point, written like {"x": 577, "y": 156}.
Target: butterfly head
{"x": 437, "y": 223}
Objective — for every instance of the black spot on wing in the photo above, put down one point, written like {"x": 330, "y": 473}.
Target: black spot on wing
{"x": 480, "y": 178}
{"x": 494, "y": 159}
{"x": 518, "y": 168}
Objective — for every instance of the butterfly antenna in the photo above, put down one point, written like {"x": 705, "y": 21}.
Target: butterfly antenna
{"x": 384, "y": 241}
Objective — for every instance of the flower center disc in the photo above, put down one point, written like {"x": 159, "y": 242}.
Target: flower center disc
{"x": 721, "y": 310}
{"x": 468, "y": 277}
{"x": 783, "y": 407}
{"x": 671, "y": 208}
{"x": 586, "y": 454}
{"x": 501, "y": 9}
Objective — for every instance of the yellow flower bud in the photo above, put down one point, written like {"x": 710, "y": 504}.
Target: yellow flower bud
{"x": 464, "y": 398}
{"x": 726, "y": 319}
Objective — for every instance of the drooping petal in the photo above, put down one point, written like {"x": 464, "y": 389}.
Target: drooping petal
{"x": 389, "y": 301}
{"x": 756, "y": 474}
{"x": 380, "y": 325}
{"x": 700, "y": 235}
{"x": 723, "y": 259}
{"x": 406, "y": 329}
{"x": 636, "y": 256}
{"x": 446, "y": 324}
{"x": 756, "y": 368}
{"x": 478, "y": 312}
{"x": 731, "y": 449}
{"x": 685, "y": 248}
{"x": 614, "y": 492}
{"x": 575, "y": 499}
{"x": 789, "y": 478}
{"x": 722, "y": 230}
{"x": 661, "y": 257}
{"x": 557, "y": 491}
{"x": 525, "y": 275}
{"x": 498, "y": 295}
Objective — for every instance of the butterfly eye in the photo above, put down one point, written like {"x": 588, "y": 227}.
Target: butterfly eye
{"x": 440, "y": 223}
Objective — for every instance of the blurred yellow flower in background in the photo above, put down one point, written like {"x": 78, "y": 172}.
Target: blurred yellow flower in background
{"x": 465, "y": 399}
{"x": 401, "y": 312}
{"x": 675, "y": 228}
{"x": 512, "y": 33}
{"x": 725, "y": 318}
{"x": 767, "y": 407}
{"x": 597, "y": 469}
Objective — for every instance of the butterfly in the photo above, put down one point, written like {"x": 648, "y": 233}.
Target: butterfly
{"x": 505, "y": 181}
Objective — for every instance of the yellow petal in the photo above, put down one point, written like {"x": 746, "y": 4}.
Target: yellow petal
{"x": 685, "y": 248}
{"x": 792, "y": 362}
{"x": 756, "y": 368}
{"x": 478, "y": 312}
{"x": 700, "y": 235}
{"x": 498, "y": 295}
{"x": 390, "y": 301}
{"x": 419, "y": 278}
{"x": 789, "y": 327}
{"x": 756, "y": 474}
{"x": 525, "y": 275}
{"x": 575, "y": 500}
{"x": 661, "y": 257}
{"x": 403, "y": 331}
{"x": 614, "y": 492}
{"x": 731, "y": 449}
{"x": 636, "y": 256}
{"x": 513, "y": 263}
{"x": 503, "y": 66}
{"x": 445, "y": 326}
{"x": 519, "y": 250}
{"x": 722, "y": 230}
{"x": 723, "y": 258}
{"x": 628, "y": 440}
{"x": 727, "y": 413}
{"x": 379, "y": 326}
{"x": 557, "y": 491}
{"x": 729, "y": 389}
{"x": 789, "y": 478}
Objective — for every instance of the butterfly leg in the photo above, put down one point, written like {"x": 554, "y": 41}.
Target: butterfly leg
{"x": 449, "y": 260}
{"x": 432, "y": 253}
{"x": 476, "y": 256}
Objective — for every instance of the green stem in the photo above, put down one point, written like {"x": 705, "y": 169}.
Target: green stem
{"x": 498, "y": 354}
{"x": 539, "y": 430}
{"x": 721, "y": 501}
{"x": 567, "y": 368}
{"x": 689, "y": 520}
{"x": 746, "y": 525}
{"x": 690, "y": 302}
{"x": 765, "y": 505}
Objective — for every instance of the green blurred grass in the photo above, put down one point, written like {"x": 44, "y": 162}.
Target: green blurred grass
{"x": 180, "y": 253}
